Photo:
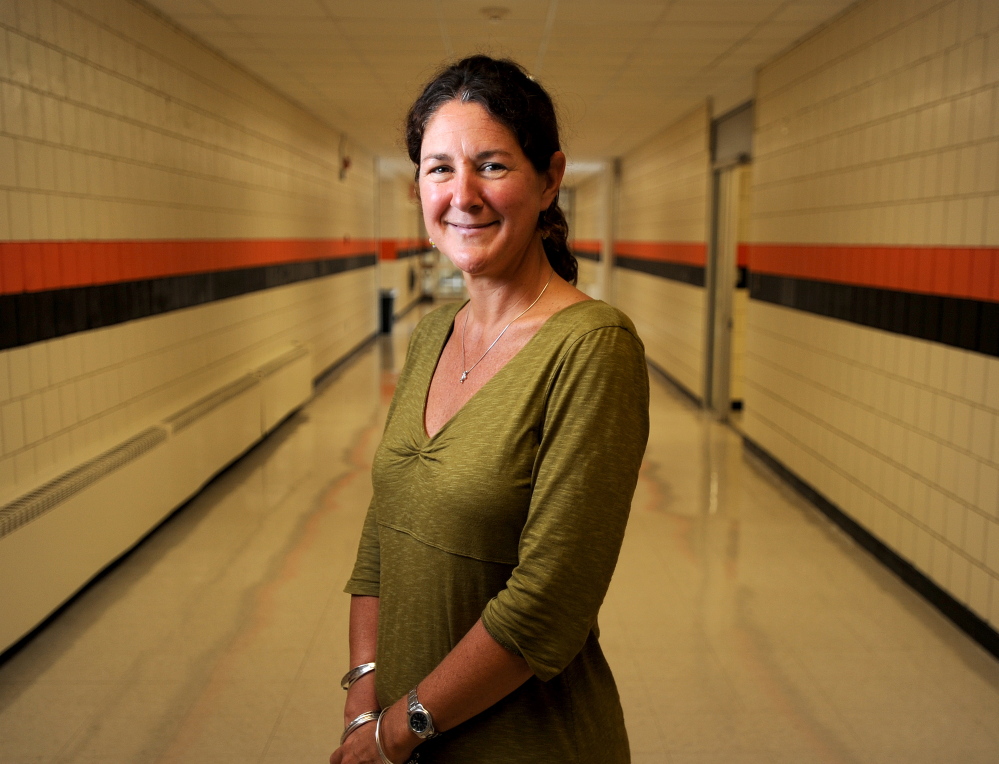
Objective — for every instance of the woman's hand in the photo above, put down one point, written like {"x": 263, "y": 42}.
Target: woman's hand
{"x": 397, "y": 740}
{"x": 358, "y": 748}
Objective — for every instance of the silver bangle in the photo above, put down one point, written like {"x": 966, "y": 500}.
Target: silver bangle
{"x": 356, "y": 673}
{"x": 378, "y": 738}
{"x": 367, "y": 716}
{"x": 414, "y": 759}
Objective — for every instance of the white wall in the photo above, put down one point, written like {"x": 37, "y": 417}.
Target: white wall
{"x": 663, "y": 201}
{"x": 118, "y": 127}
{"x": 883, "y": 129}
{"x": 669, "y": 317}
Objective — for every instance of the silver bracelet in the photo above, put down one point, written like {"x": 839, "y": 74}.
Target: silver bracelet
{"x": 414, "y": 759}
{"x": 367, "y": 716}
{"x": 356, "y": 673}
{"x": 378, "y": 738}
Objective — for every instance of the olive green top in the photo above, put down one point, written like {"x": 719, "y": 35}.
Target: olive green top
{"x": 514, "y": 511}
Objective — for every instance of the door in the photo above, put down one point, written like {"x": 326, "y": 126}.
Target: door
{"x": 731, "y": 186}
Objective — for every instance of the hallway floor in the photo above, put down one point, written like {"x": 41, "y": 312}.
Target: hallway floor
{"x": 741, "y": 626}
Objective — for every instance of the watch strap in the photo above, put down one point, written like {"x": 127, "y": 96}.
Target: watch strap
{"x": 417, "y": 710}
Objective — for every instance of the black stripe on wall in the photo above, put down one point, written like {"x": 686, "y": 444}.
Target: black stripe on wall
{"x": 963, "y": 617}
{"x": 36, "y": 316}
{"x": 961, "y": 323}
{"x": 687, "y": 274}
{"x": 403, "y": 253}
{"x": 587, "y": 254}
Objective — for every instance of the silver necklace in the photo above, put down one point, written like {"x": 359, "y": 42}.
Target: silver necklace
{"x": 465, "y": 372}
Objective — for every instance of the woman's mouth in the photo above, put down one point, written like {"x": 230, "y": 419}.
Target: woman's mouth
{"x": 471, "y": 227}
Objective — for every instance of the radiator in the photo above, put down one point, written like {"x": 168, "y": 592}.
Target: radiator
{"x": 57, "y": 537}
{"x": 32, "y": 505}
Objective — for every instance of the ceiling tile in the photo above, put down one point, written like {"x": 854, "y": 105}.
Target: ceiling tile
{"x": 598, "y": 13}
{"x": 279, "y": 8}
{"x": 621, "y": 71}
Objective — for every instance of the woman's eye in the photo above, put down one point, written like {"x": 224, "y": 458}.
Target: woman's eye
{"x": 493, "y": 167}
{"x": 438, "y": 170}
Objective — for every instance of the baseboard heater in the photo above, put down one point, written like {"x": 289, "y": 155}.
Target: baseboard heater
{"x": 57, "y": 537}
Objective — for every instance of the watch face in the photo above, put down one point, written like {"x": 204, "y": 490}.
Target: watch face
{"x": 418, "y": 722}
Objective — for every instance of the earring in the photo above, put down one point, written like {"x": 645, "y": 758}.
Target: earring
{"x": 431, "y": 242}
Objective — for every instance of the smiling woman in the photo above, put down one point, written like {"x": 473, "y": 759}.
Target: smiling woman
{"x": 504, "y": 478}
{"x": 481, "y": 196}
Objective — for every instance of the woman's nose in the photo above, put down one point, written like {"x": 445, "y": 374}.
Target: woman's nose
{"x": 465, "y": 192}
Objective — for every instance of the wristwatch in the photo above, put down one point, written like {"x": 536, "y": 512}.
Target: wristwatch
{"x": 421, "y": 723}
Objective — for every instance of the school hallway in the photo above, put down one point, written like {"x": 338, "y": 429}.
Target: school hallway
{"x": 741, "y": 625}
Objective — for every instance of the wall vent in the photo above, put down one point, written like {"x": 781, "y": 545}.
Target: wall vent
{"x": 31, "y": 505}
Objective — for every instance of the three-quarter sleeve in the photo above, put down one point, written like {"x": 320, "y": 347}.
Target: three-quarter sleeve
{"x": 366, "y": 577}
{"x": 593, "y": 437}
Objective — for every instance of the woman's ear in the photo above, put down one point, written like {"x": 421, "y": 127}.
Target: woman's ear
{"x": 553, "y": 179}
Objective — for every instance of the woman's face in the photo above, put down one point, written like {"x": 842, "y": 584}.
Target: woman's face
{"x": 481, "y": 195}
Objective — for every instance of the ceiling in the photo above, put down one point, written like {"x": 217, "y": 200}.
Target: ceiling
{"x": 620, "y": 70}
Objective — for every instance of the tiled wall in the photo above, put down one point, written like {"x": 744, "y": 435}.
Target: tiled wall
{"x": 871, "y": 368}
{"x": 401, "y": 240}
{"x": 116, "y": 127}
{"x": 661, "y": 244}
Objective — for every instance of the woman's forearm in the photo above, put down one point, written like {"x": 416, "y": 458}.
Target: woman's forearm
{"x": 477, "y": 673}
{"x": 363, "y": 639}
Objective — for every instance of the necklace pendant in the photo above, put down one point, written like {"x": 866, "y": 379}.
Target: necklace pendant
{"x": 464, "y": 374}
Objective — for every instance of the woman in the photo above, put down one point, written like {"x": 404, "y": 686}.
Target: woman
{"x": 507, "y": 467}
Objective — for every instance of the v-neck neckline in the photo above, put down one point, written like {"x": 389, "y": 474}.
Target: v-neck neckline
{"x": 427, "y": 437}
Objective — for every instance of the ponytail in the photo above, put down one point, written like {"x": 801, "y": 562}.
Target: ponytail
{"x": 555, "y": 240}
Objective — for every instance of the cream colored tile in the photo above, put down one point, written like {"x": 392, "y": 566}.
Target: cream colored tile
{"x": 989, "y": 17}
{"x": 967, "y": 473}
{"x": 983, "y": 424}
{"x": 51, "y": 411}
{"x": 13, "y": 430}
{"x": 5, "y": 384}
{"x": 959, "y": 578}
{"x": 34, "y": 419}
{"x": 980, "y": 588}
{"x": 24, "y": 468}
{"x": 988, "y": 489}
{"x": 940, "y": 561}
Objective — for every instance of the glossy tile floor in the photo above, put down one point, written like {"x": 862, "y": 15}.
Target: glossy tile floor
{"x": 741, "y": 626}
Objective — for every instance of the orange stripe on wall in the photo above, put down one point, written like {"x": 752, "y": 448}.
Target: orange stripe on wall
{"x": 587, "y": 245}
{"x": 35, "y": 266}
{"x": 742, "y": 255}
{"x": 966, "y": 272}
{"x": 388, "y": 249}
{"x": 687, "y": 252}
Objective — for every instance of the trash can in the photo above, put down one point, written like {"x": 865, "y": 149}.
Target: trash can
{"x": 387, "y": 309}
